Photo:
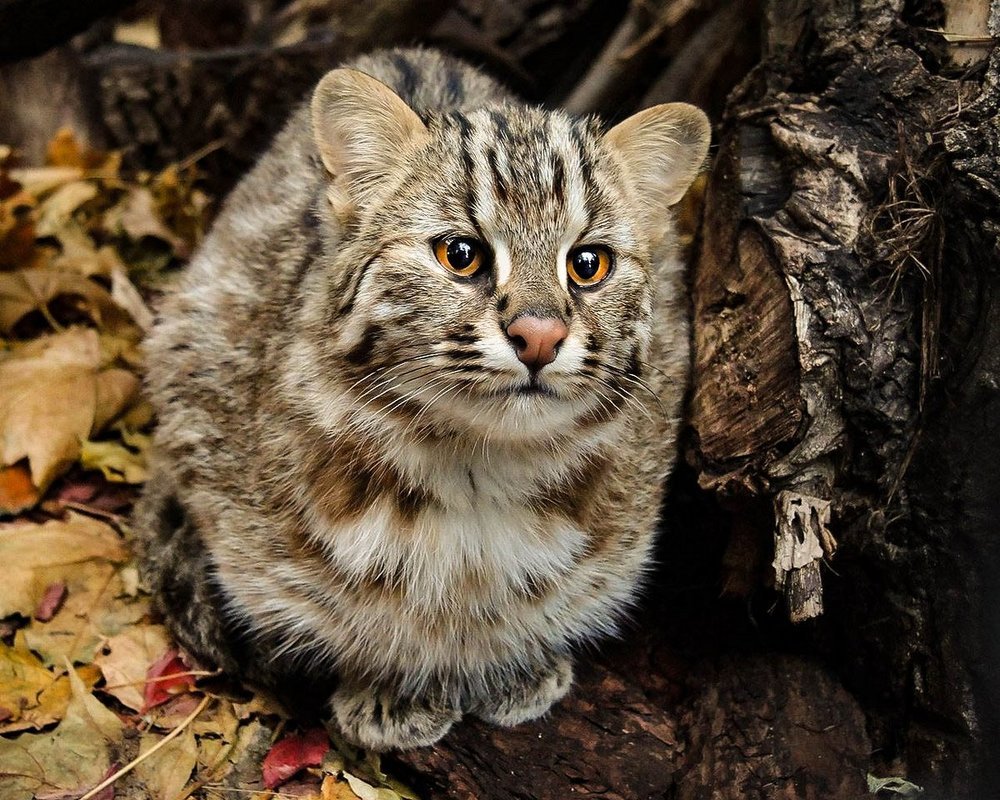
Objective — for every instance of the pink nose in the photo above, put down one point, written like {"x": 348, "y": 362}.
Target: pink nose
{"x": 536, "y": 339}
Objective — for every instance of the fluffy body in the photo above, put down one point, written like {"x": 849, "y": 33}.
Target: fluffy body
{"x": 355, "y": 477}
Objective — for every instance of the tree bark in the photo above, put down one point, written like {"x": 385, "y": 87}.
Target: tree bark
{"x": 846, "y": 330}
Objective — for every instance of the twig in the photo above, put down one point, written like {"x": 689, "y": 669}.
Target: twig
{"x": 143, "y": 756}
{"x": 194, "y": 673}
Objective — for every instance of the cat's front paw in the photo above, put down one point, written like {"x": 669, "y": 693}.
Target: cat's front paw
{"x": 529, "y": 697}
{"x": 380, "y": 721}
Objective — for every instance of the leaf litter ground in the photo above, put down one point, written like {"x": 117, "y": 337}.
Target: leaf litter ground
{"x": 95, "y": 700}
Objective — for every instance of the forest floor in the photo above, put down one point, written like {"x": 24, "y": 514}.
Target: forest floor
{"x": 95, "y": 701}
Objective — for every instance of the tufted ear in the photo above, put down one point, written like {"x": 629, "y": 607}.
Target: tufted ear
{"x": 363, "y": 131}
{"x": 662, "y": 149}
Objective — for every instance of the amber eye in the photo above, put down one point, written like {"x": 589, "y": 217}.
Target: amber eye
{"x": 588, "y": 265}
{"x": 462, "y": 255}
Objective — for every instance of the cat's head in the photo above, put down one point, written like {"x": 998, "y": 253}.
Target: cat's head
{"x": 494, "y": 269}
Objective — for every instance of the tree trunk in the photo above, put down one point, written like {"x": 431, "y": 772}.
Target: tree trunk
{"x": 847, "y": 371}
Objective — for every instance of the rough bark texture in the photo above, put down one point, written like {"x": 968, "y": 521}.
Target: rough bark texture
{"x": 850, "y": 228}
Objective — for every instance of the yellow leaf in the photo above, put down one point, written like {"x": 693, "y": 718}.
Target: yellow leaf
{"x": 31, "y": 695}
{"x": 126, "y": 658}
{"x": 365, "y": 791}
{"x": 72, "y": 758}
{"x": 117, "y": 463}
{"x": 96, "y": 608}
{"x": 53, "y": 396}
{"x": 36, "y": 556}
{"x": 166, "y": 771}
{"x": 333, "y": 789}
{"x": 65, "y": 150}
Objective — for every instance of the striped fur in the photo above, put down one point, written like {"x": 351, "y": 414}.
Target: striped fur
{"x": 342, "y": 438}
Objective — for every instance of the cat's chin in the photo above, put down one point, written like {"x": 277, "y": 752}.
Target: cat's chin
{"x": 520, "y": 412}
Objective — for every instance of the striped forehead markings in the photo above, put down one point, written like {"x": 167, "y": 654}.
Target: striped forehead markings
{"x": 465, "y": 146}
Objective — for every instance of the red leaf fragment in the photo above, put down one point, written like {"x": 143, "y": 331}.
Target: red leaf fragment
{"x": 294, "y": 753}
{"x": 160, "y": 687}
{"x": 53, "y": 598}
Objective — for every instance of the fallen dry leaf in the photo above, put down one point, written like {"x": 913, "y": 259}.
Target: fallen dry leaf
{"x": 17, "y": 229}
{"x": 335, "y": 789}
{"x": 136, "y": 216}
{"x": 116, "y": 462}
{"x": 53, "y": 395}
{"x": 51, "y": 601}
{"x": 26, "y": 290}
{"x": 56, "y": 211}
{"x": 97, "y": 607}
{"x": 166, "y": 772}
{"x": 36, "y": 556}
{"x": 293, "y": 754}
{"x": 65, "y": 150}
{"x": 17, "y": 492}
{"x": 125, "y": 660}
{"x": 166, "y": 677}
{"x": 71, "y": 758}
{"x": 32, "y": 696}
{"x": 124, "y": 293}
{"x": 38, "y": 181}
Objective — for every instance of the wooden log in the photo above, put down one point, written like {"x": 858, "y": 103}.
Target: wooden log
{"x": 752, "y": 727}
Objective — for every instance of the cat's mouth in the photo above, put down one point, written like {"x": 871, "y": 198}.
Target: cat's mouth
{"x": 532, "y": 389}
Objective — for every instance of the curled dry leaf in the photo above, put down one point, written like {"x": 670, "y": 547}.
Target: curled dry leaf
{"x": 27, "y": 290}
{"x": 71, "y": 758}
{"x": 53, "y": 395}
{"x": 166, "y": 677}
{"x": 32, "y": 696}
{"x": 293, "y": 754}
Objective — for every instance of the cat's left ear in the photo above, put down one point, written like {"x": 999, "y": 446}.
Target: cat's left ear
{"x": 363, "y": 131}
{"x": 662, "y": 149}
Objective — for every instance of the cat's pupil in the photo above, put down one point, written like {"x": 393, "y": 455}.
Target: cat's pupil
{"x": 461, "y": 253}
{"x": 586, "y": 263}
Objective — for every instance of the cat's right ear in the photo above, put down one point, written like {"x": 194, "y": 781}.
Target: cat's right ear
{"x": 363, "y": 131}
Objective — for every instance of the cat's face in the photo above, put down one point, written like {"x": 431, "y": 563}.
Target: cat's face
{"x": 498, "y": 279}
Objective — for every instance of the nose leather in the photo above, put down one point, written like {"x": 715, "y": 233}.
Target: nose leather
{"x": 536, "y": 340}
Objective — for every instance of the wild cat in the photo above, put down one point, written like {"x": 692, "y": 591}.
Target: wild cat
{"x": 418, "y": 394}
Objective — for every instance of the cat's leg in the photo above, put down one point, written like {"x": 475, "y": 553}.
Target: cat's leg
{"x": 379, "y": 720}
{"x": 177, "y": 568}
{"x": 527, "y": 696}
